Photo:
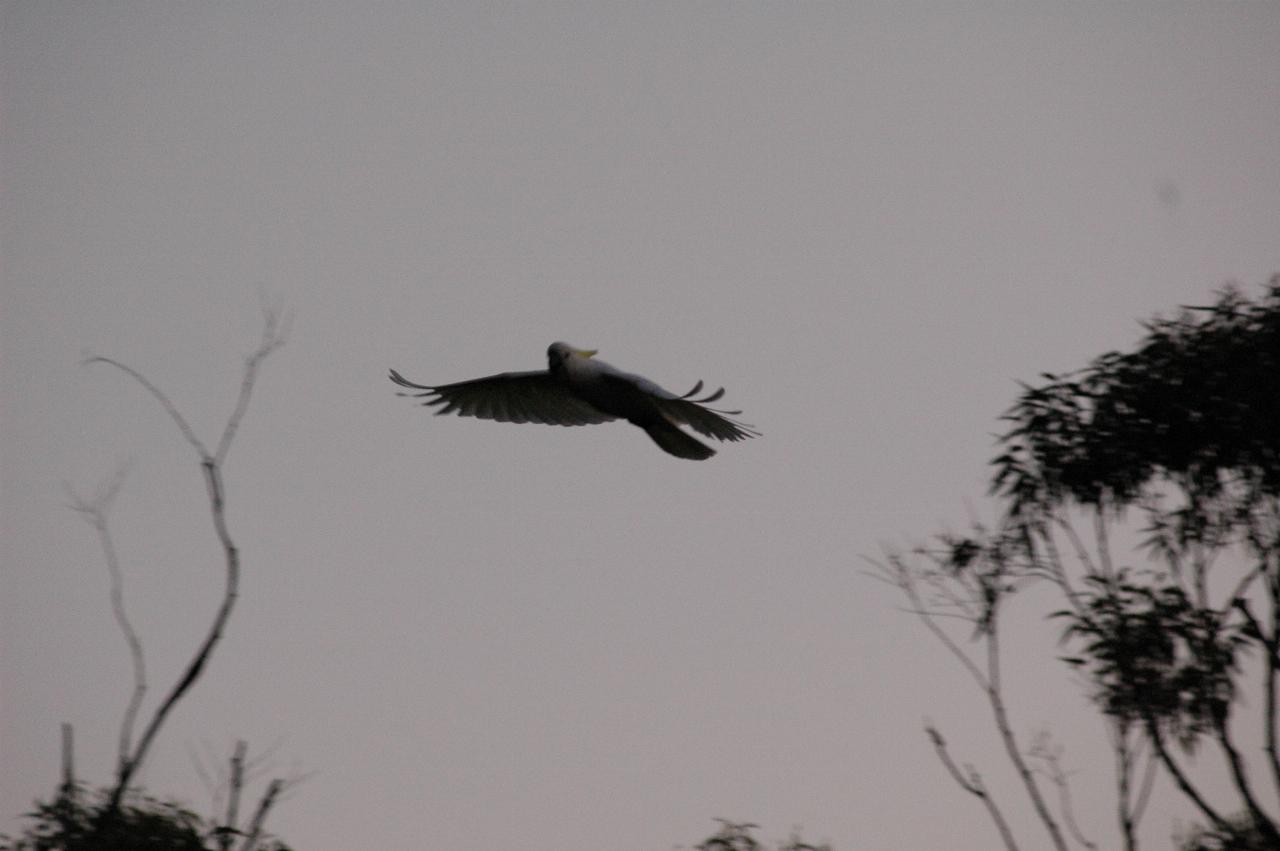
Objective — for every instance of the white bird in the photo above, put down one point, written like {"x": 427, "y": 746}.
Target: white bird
{"x": 575, "y": 389}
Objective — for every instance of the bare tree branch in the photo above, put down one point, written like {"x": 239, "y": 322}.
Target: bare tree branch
{"x": 210, "y": 466}
{"x": 1082, "y": 553}
{"x": 235, "y": 786}
{"x": 1180, "y": 778}
{"x": 972, "y": 784}
{"x": 903, "y": 578}
{"x": 996, "y": 699}
{"x": 1148, "y": 783}
{"x": 1044, "y": 750}
{"x": 1103, "y": 543}
{"x": 272, "y": 339}
{"x": 95, "y": 512}
{"x": 987, "y": 595}
{"x": 1265, "y": 825}
{"x": 254, "y": 834}
{"x": 1125, "y": 755}
{"x": 1272, "y": 643}
{"x": 168, "y": 406}
{"x": 68, "y": 789}
{"x": 1057, "y": 571}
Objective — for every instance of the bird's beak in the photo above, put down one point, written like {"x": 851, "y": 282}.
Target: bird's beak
{"x": 586, "y": 353}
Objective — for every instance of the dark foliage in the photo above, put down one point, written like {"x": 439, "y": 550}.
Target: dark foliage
{"x": 80, "y": 821}
{"x": 737, "y": 836}
{"x": 1155, "y": 657}
{"x": 1239, "y": 834}
{"x": 1183, "y": 431}
{"x": 1197, "y": 403}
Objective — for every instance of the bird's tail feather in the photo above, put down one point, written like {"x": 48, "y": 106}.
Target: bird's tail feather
{"x": 677, "y": 442}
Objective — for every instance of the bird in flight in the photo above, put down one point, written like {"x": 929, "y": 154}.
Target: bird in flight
{"x": 576, "y": 389}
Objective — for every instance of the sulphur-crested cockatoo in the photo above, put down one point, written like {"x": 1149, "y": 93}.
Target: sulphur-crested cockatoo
{"x": 577, "y": 389}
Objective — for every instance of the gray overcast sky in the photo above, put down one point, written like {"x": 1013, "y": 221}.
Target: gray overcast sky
{"x": 866, "y": 221}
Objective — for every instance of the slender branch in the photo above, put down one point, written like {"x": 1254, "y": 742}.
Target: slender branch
{"x": 1273, "y": 661}
{"x": 1200, "y": 574}
{"x": 1119, "y": 735}
{"x": 196, "y": 666}
{"x": 1103, "y": 543}
{"x": 1128, "y": 754}
{"x": 1010, "y": 743}
{"x": 68, "y": 790}
{"x": 1242, "y": 586}
{"x": 988, "y": 681}
{"x": 1051, "y": 757}
{"x": 235, "y": 786}
{"x": 212, "y": 785}
{"x": 1270, "y": 641}
{"x": 161, "y": 398}
{"x": 95, "y": 511}
{"x": 972, "y": 784}
{"x": 1264, "y": 823}
{"x": 272, "y": 339}
{"x": 260, "y": 816}
{"x": 907, "y": 584}
{"x": 1077, "y": 545}
{"x": 1179, "y": 778}
{"x": 1058, "y": 572}
{"x": 1148, "y": 783}
{"x": 211, "y": 471}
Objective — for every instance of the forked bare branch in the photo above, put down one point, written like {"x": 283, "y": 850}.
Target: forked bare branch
{"x": 210, "y": 466}
{"x": 95, "y": 511}
{"x": 971, "y": 782}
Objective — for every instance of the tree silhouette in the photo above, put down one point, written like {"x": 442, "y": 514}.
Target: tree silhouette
{"x": 738, "y": 836}
{"x": 1184, "y": 432}
{"x": 119, "y": 816}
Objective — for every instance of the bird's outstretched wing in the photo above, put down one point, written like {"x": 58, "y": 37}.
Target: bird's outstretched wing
{"x": 509, "y": 397}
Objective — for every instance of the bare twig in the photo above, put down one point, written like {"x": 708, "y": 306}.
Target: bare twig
{"x": 971, "y": 783}
{"x": 904, "y": 580}
{"x": 68, "y": 790}
{"x": 168, "y": 406}
{"x": 996, "y": 699}
{"x": 1148, "y": 783}
{"x": 1238, "y": 592}
{"x": 1082, "y": 552}
{"x": 988, "y": 680}
{"x": 1273, "y": 662}
{"x": 1270, "y": 641}
{"x": 1125, "y": 755}
{"x": 1044, "y": 750}
{"x": 1057, "y": 571}
{"x": 1103, "y": 543}
{"x": 235, "y": 786}
{"x": 95, "y": 512}
{"x": 273, "y": 337}
{"x": 254, "y": 834}
{"x": 213, "y": 481}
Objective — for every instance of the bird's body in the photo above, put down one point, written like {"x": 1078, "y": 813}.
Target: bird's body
{"x": 579, "y": 390}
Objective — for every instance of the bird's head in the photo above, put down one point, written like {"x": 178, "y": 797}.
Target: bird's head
{"x": 559, "y": 353}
